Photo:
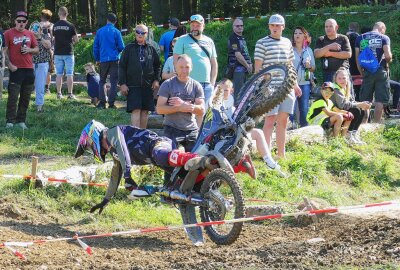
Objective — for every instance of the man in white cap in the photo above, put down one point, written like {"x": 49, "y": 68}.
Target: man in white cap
{"x": 201, "y": 50}
{"x": 275, "y": 49}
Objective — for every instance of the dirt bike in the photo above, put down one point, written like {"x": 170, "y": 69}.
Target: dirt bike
{"x": 224, "y": 144}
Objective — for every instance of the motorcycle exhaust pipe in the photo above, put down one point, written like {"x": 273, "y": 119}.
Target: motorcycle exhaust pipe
{"x": 176, "y": 195}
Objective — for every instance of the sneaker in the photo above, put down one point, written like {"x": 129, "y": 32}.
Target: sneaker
{"x": 276, "y": 167}
{"x": 350, "y": 139}
{"x": 356, "y": 136}
{"x": 72, "y": 96}
{"x": 22, "y": 125}
{"x": 9, "y": 125}
{"x": 39, "y": 108}
{"x": 141, "y": 192}
{"x": 59, "y": 96}
{"x": 112, "y": 106}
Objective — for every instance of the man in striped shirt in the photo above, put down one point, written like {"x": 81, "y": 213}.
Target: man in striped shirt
{"x": 275, "y": 49}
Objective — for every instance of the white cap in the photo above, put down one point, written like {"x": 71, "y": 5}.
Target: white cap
{"x": 276, "y": 19}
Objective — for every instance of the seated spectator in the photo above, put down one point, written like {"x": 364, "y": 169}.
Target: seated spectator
{"x": 323, "y": 113}
{"x": 93, "y": 81}
{"x": 343, "y": 98}
{"x": 225, "y": 88}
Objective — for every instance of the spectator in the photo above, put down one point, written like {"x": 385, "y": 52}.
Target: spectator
{"x": 352, "y": 35}
{"x": 333, "y": 49}
{"x": 180, "y": 31}
{"x": 226, "y": 87}
{"x": 239, "y": 60}
{"x": 65, "y": 37}
{"x": 93, "y": 82}
{"x": 47, "y": 29}
{"x": 375, "y": 84}
{"x": 150, "y": 41}
{"x": 2, "y": 63}
{"x": 201, "y": 50}
{"x": 107, "y": 46}
{"x": 169, "y": 69}
{"x": 323, "y": 113}
{"x": 275, "y": 49}
{"x": 343, "y": 98}
{"x": 41, "y": 65}
{"x": 168, "y": 36}
{"x": 139, "y": 75}
{"x": 181, "y": 100}
{"x": 304, "y": 64}
{"x": 20, "y": 45}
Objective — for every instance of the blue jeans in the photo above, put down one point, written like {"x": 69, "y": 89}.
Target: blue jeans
{"x": 302, "y": 101}
{"x": 41, "y": 70}
{"x": 239, "y": 78}
{"x": 67, "y": 61}
{"x": 208, "y": 91}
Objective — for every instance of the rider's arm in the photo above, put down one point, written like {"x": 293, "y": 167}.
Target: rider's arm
{"x": 116, "y": 174}
{"x": 117, "y": 140}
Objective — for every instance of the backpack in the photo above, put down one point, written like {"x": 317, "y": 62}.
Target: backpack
{"x": 368, "y": 60}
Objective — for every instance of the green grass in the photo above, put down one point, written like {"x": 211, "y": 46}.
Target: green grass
{"x": 332, "y": 171}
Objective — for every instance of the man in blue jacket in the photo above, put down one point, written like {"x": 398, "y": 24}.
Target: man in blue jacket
{"x": 108, "y": 45}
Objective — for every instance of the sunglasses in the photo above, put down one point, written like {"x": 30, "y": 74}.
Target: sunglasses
{"x": 140, "y": 32}
{"x": 21, "y": 21}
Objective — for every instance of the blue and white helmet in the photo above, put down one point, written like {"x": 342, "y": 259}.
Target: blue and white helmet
{"x": 91, "y": 139}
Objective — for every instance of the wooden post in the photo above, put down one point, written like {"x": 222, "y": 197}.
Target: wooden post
{"x": 35, "y": 161}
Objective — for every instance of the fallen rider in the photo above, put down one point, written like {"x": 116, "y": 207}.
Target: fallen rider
{"x": 129, "y": 145}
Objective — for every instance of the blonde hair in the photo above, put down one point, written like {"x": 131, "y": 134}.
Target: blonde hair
{"x": 218, "y": 96}
{"x": 46, "y": 14}
{"x": 347, "y": 88}
{"x": 91, "y": 66}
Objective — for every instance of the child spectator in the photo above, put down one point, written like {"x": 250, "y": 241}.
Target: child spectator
{"x": 343, "y": 99}
{"x": 322, "y": 112}
{"x": 168, "y": 69}
{"x": 93, "y": 81}
{"x": 225, "y": 88}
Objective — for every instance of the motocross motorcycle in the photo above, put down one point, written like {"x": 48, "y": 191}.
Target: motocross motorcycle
{"x": 225, "y": 146}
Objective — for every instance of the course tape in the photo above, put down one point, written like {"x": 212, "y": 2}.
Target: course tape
{"x": 88, "y": 249}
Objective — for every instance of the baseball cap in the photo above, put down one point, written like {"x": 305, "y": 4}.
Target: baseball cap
{"x": 111, "y": 17}
{"x": 197, "y": 18}
{"x": 21, "y": 14}
{"x": 328, "y": 85}
{"x": 276, "y": 19}
{"x": 174, "y": 22}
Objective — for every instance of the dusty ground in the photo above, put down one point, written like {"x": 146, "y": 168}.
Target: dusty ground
{"x": 335, "y": 241}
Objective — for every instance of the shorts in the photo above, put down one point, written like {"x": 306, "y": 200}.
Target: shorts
{"x": 326, "y": 124}
{"x": 140, "y": 98}
{"x": 287, "y": 105}
{"x": 64, "y": 61}
{"x": 375, "y": 85}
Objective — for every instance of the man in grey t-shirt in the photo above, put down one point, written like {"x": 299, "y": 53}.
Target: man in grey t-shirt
{"x": 181, "y": 100}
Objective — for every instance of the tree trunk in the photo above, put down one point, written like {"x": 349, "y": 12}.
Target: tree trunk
{"x": 101, "y": 12}
{"x": 92, "y": 12}
{"x": 194, "y": 7}
{"x": 114, "y": 6}
{"x": 187, "y": 9}
{"x": 176, "y": 9}
{"x": 265, "y": 7}
{"x": 124, "y": 19}
{"x": 130, "y": 12}
{"x": 84, "y": 12}
{"x": 159, "y": 11}
{"x": 137, "y": 9}
{"x": 17, "y": 5}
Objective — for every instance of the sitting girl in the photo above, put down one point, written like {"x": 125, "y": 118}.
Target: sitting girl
{"x": 93, "y": 82}
{"x": 225, "y": 88}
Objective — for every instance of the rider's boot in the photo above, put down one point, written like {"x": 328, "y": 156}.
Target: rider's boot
{"x": 141, "y": 192}
{"x": 177, "y": 158}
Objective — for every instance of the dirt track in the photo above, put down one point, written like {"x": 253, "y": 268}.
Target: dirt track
{"x": 362, "y": 242}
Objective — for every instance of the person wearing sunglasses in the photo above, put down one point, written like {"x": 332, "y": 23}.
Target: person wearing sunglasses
{"x": 139, "y": 75}
{"x": 20, "y": 45}
{"x": 201, "y": 49}
{"x": 239, "y": 61}
{"x": 323, "y": 113}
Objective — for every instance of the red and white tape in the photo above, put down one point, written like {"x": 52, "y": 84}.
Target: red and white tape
{"x": 88, "y": 250}
{"x": 94, "y": 33}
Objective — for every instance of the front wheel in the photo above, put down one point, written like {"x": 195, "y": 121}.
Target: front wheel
{"x": 225, "y": 201}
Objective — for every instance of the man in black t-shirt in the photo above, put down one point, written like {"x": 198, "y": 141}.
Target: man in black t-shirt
{"x": 238, "y": 57}
{"x": 333, "y": 49}
{"x": 65, "y": 37}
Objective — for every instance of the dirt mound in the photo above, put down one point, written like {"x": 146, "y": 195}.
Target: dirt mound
{"x": 331, "y": 242}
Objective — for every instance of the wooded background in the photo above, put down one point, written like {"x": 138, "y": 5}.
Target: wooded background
{"x": 88, "y": 15}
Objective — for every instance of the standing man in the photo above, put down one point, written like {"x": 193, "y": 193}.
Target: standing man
{"x": 181, "y": 100}
{"x": 108, "y": 45}
{"x": 168, "y": 36}
{"x": 333, "y": 49}
{"x": 65, "y": 37}
{"x": 138, "y": 76}
{"x": 2, "y": 63}
{"x": 275, "y": 49}
{"x": 201, "y": 50}
{"x": 238, "y": 57}
{"x": 20, "y": 44}
{"x": 375, "y": 84}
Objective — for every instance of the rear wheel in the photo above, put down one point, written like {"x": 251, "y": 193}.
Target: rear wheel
{"x": 225, "y": 201}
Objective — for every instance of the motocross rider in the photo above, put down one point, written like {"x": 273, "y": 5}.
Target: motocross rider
{"x": 129, "y": 146}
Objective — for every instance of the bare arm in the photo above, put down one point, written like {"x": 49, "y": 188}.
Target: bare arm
{"x": 46, "y": 43}
{"x": 387, "y": 53}
{"x": 75, "y": 39}
{"x": 242, "y": 61}
{"x": 164, "y": 108}
{"x": 199, "y": 110}
{"x": 257, "y": 65}
{"x": 214, "y": 70}
{"x": 339, "y": 55}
